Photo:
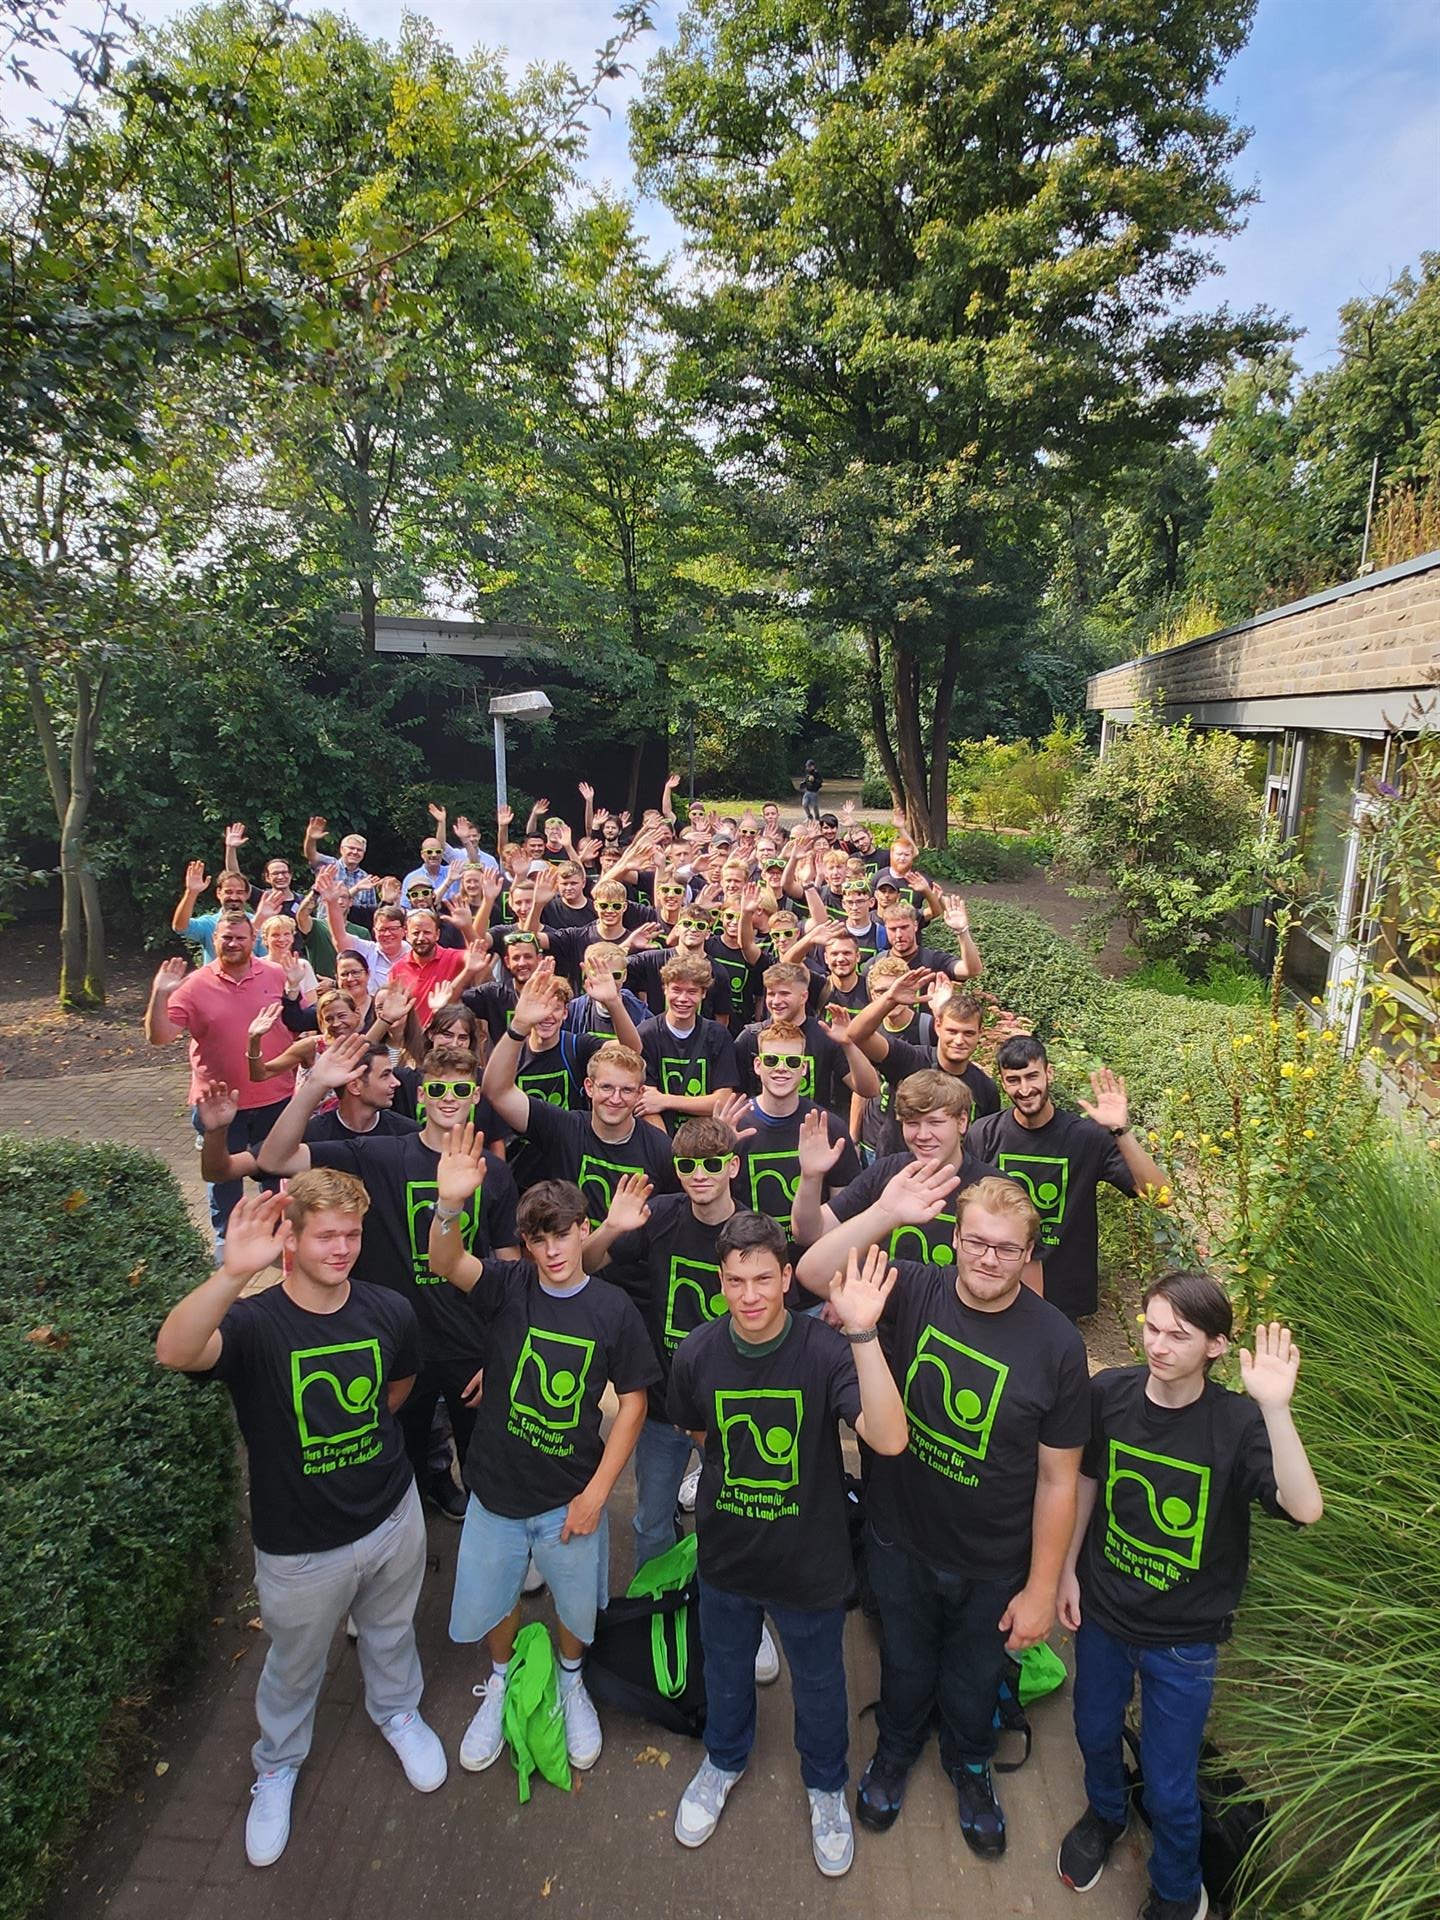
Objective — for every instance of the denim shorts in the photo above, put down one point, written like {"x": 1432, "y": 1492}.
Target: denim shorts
{"x": 490, "y": 1568}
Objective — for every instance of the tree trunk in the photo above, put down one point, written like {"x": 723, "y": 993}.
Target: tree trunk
{"x": 879, "y": 721}
{"x": 942, "y": 721}
{"x": 82, "y": 927}
{"x": 914, "y": 764}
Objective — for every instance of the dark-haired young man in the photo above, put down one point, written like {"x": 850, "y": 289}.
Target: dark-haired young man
{"x": 538, "y": 1469}
{"x": 956, "y": 1021}
{"x": 762, "y": 1391}
{"x": 1061, "y": 1158}
{"x": 1157, "y": 1566}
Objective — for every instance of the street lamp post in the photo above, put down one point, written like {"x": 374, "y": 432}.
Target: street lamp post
{"x": 513, "y": 706}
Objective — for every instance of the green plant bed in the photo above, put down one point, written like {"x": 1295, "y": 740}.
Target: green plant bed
{"x": 968, "y": 859}
{"x": 119, "y": 1484}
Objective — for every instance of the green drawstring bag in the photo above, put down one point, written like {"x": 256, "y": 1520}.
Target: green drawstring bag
{"x": 668, "y": 1572}
{"x": 1042, "y": 1671}
{"x": 533, "y": 1720}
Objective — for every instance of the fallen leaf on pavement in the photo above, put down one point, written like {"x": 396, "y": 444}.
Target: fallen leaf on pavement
{"x": 652, "y": 1757}
{"x": 162, "y": 1766}
{"x": 238, "y": 1655}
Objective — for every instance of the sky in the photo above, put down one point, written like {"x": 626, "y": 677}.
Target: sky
{"x": 1343, "y": 97}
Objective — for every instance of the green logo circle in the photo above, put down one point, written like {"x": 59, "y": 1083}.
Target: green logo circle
{"x": 942, "y": 1256}
{"x": 358, "y": 1393}
{"x": 694, "y": 1088}
{"x": 1047, "y": 1193}
{"x": 717, "y": 1303}
{"x": 562, "y": 1385}
{"x": 1175, "y": 1512}
{"x": 967, "y": 1406}
{"x": 778, "y": 1442}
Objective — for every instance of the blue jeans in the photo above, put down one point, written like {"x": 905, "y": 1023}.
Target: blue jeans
{"x": 730, "y": 1627}
{"x": 940, "y": 1647}
{"x": 244, "y": 1135}
{"x": 1175, "y": 1688}
{"x": 662, "y": 1454}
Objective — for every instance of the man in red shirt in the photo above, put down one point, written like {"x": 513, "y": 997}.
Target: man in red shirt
{"x": 214, "y": 1005}
{"x": 429, "y": 963}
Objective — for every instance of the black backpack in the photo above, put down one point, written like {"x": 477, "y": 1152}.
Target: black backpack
{"x": 646, "y": 1659}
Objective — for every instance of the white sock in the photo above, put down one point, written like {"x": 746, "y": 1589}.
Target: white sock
{"x": 571, "y": 1668}
{"x": 499, "y": 1669}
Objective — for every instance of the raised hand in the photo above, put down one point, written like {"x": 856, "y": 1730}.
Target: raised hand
{"x": 492, "y": 885}
{"x": 461, "y": 1171}
{"x": 547, "y": 885}
{"x": 235, "y": 835}
{"x": 536, "y": 996}
{"x": 461, "y": 917}
{"x": 196, "y": 878}
{"x": 599, "y": 817}
{"x": 942, "y": 989}
{"x": 317, "y": 828}
{"x": 625, "y": 818}
{"x": 1268, "y": 1374}
{"x": 818, "y": 1152}
{"x": 906, "y": 990}
{"x": 255, "y": 1236}
{"x": 168, "y": 976}
{"x": 542, "y": 805}
{"x": 847, "y": 812}
{"x": 858, "y": 1295}
{"x": 1110, "y": 1108}
{"x": 264, "y": 1020}
{"x": 630, "y": 1208}
{"x": 587, "y": 851}
{"x": 294, "y": 975}
{"x": 441, "y": 995}
{"x": 217, "y": 1105}
{"x": 389, "y": 890}
{"x": 838, "y": 1019}
{"x": 917, "y": 1194}
{"x": 272, "y": 901}
{"x": 392, "y": 1004}
{"x": 957, "y": 915}
{"x": 671, "y": 782}
{"x": 465, "y": 829}
{"x": 438, "y": 815}
{"x": 644, "y": 934}
{"x": 339, "y": 1062}
{"x": 504, "y": 816}
{"x": 602, "y": 987}
{"x": 587, "y": 792}
{"x": 730, "y": 1112}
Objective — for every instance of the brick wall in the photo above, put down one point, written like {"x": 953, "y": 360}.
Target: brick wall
{"x": 1381, "y": 636}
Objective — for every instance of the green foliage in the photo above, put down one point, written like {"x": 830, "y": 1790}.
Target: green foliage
{"x": 1327, "y": 1698}
{"x": 968, "y": 859}
{"x": 1035, "y": 971}
{"x": 1169, "y": 826}
{"x": 875, "y": 794}
{"x": 1401, "y": 829}
{"x": 1014, "y": 783}
{"x": 118, "y": 1487}
{"x": 1229, "y": 983}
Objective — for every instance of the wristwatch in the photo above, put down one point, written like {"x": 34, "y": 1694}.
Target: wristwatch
{"x": 859, "y": 1339}
{"x": 1117, "y": 1131}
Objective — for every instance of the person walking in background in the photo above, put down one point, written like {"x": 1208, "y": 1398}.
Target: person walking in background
{"x": 810, "y": 785}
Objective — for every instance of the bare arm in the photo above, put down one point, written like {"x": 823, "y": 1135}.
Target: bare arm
{"x": 196, "y": 881}
{"x": 1031, "y": 1613}
{"x": 160, "y": 1029}
{"x": 190, "y": 1339}
{"x": 583, "y": 1514}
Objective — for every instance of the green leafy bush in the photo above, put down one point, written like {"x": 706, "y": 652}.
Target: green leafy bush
{"x": 969, "y": 859}
{"x": 1033, "y": 970}
{"x": 1170, "y": 826}
{"x": 118, "y": 1489}
{"x": 1014, "y": 783}
{"x": 1327, "y": 1698}
{"x": 876, "y": 795}
{"x": 1227, "y": 982}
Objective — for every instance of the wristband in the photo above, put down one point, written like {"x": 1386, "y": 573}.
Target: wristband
{"x": 859, "y": 1339}
{"x": 445, "y": 1219}
{"x": 1117, "y": 1131}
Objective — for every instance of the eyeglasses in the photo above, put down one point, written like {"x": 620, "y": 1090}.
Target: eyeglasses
{"x": 671, "y": 893}
{"x": 437, "y": 1089}
{"x": 609, "y": 906}
{"x": 1005, "y": 1251}
{"x": 702, "y": 1162}
{"x": 780, "y": 1060}
{"x": 431, "y": 853}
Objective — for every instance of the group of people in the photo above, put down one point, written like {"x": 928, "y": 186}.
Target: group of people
{"x": 693, "y": 1114}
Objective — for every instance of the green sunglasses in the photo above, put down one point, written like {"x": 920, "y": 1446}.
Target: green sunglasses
{"x": 702, "y": 1162}
{"x": 461, "y": 1089}
{"x": 796, "y": 1060}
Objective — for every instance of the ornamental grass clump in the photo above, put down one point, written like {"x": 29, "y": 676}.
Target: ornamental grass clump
{"x": 1330, "y": 1700}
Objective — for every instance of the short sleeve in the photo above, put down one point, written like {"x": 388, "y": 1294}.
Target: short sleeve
{"x": 501, "y": 1202}
{"x": 633, "y": 1365}
{"x": 842, "y": 1392}
{"x": 681, "y": 1403}
{"x": 407, "y": 1345}
{"x": 1113, "y": 1169}
{"x": 343, "y": 1154}
{"x": 1068, "y": 1421}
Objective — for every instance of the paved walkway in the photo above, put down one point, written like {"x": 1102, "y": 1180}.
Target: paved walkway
{"x": 173, "y": 1847}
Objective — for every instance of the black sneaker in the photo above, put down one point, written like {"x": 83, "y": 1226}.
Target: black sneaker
{"x": 882, "y": 1789}
{"x": 1195, "y": 1908}
{"x": 1085, "y": 1849}
{"x": 446, "y": 1497}
{"x": 982, "y": 1818}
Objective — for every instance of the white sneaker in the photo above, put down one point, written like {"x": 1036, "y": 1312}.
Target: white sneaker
{"x": 689, "y": 1488}
{"x": 534, "y": 1581}
{"x": 583, "y": 1738}
{"x": 484, "y": 1740}
{"x": 698, "y": 1813}
{"x": 767, "y": 1660}
{"x": 421, "y": 1754}
{"x": 832, "y": 1838}
{"x": 352, "y": 1632}
{"x": 267, "y": 1825}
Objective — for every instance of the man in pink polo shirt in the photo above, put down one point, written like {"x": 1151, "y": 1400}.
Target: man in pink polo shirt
{"x": 214, "y": 1005}
{"x": 428, "y": 963}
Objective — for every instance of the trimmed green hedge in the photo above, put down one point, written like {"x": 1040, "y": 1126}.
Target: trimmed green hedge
{"x": 118, "y": 1490}
{"x": 971, "y": 858}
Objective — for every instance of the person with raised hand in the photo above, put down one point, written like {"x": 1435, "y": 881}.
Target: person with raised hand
{"x": 539, "y": 1469}
{"x": 1157, "y": 1565}
{"x": 317, "y": 1367}
{"x": 762, "y": 1391}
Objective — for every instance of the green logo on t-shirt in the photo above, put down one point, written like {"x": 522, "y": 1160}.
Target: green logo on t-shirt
{"x": 690, "y": 1078}
{"x": 951, "y": 1396}
{"x": 420, "y": 1198}
{"x": 759, "y": 1433}
{"x": 548, "y": 1387}
{"x": 1156, "y": 1511}
{"x": 933, "y": 1244}
{"x": 1046, "y": 1178}
{"x": 552, "y": 1088}
{"x": 773, "y": 1179}
{"x": 737, "y": 974}
{"x": 336, "y": 1395}
{"x": 693, "y": 1297}
{"x": 596, "y": 1180}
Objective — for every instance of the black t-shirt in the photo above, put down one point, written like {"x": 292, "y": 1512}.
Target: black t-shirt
{"x": 1164, "y": 1560}
{"x": 737, "y": 983}
{"x": 982, "y": 1392}
{"x": 770, "y": 1161}
{"x": 556, "y": 1077}
{"x": 932, "y": 1244}
{"x": 906, "y": 1057}
{"x": 700, "y": 1063}
{"x": 669, "y": 1269}
{"x": 493, "y": 1003}
{"x": 826, "y": 1064}
{"x": 325, "y": 1128}
{"x": 555, "y": 916}
{"x": 537, "y": 1436}
{"x": 570, "y": 1149}
{"x": 399, "y": 1176}
{"x": 770, "y": 1516}
{"x": 327, "y": 1460}
{"x": 825, "y": 994}
{"x": 1060, "y": 1164}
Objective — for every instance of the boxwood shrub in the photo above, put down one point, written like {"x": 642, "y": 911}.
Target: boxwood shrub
{"x": 118, "y": 1490}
